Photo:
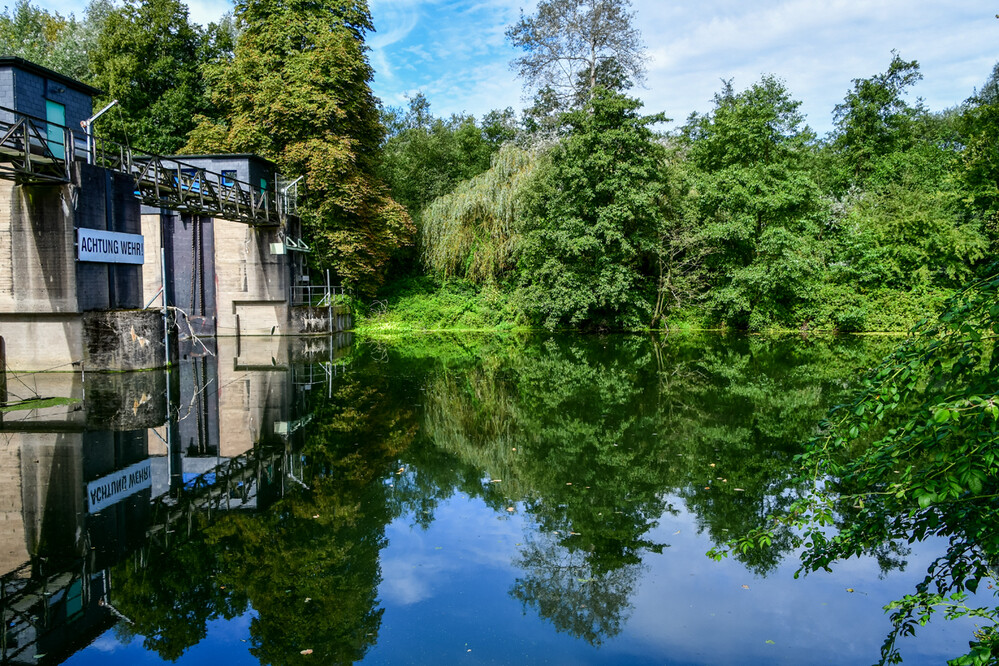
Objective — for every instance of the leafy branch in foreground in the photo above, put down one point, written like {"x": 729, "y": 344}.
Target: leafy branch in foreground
{"x": 915, "y": 455}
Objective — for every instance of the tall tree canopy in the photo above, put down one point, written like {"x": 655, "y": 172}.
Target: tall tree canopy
{"x": 572, "y": 46}
{"x": 980, "y": 160}
{"x": 874, "y": 119}
{"x": 757, "y": 202}
{"x": 426, "y": 157}
{"x": 297, "y": 91}
{"x": 64, "y": 44}
{"x": 147, "y": 56}
{"x": 591, "y": 219}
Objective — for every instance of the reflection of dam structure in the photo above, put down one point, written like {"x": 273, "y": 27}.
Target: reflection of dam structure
{"x": 123, "y": 472}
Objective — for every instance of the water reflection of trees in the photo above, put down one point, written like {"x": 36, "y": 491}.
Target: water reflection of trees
{"x": 595, "y": 435}
{"x": 596, "y": 439}
{"x": 307, "y": 564}
{"x": 562, "y": 586}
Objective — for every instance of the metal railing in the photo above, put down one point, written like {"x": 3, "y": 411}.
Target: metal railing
{"x": 317, "y": 296}
{"x": 35, "y": 150}
{"x": 32, "y": 150}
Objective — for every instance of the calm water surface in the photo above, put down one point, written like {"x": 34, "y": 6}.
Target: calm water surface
{"x": 440, "y": 500}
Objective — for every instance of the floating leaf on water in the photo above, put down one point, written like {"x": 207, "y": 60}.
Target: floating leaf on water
{"x": 745, "y": 587}
{"x": 677, "y": 532}
{"x": 849, "y": 589}
{"x": 510, "y": 509}
{"x": 711, "y": 465}
{"x": 495, "y": 480}
{"x": 307, "y": 651}
{"x": 770, "y": 642}
{"x": 739, "y": 490}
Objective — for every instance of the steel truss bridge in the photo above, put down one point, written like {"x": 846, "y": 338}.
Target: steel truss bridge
{"x": 34, "y": 151}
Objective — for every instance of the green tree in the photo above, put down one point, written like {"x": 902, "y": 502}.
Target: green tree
{"x": 979, "y": 171}
{"x": 64, "y": 44}
{"x": 910, "y": 456}
{"x": 474, "y": 232}
{"x": 874, "y": 120}
{"x": 900, "y": 237}
{"x": 426, "y": 157}
{"x": 297, "y": 91}
{"x": 758, "y": 206}
{"x": 591, "y": 219}
{"x": 147, "y": 57}
{"x": 573, "y": 46}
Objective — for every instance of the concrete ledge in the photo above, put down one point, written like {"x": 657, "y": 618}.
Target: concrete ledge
{"x": 306, "y": 320}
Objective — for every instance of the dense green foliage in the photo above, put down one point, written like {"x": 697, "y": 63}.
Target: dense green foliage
{"x": 296, "y": 90}
{"x": 148, "y": 56}
{"x": 758, "y": 207}
{"x": 50, "y": 39}
{"x": 914, "y": 454}
{"x": 979, "y": 171}
{"x": 474, "y": 231}
{"x": 742, "y": 217}
{"x": 426, "y": 157}
{"x": 591, "y": 218}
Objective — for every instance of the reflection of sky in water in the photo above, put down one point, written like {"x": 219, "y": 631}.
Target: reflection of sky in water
{"x": 227, "y": 642}
{"x": 446, "y": 591}
{"x": 446, "y": 595}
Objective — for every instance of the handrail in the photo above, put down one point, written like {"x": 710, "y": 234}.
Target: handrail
{"x": 317, "y": 295}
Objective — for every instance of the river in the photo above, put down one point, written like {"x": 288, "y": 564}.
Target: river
{"x": 438, "y": 499}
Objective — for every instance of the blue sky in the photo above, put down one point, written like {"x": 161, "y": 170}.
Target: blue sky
{"x": 455, "y": 52}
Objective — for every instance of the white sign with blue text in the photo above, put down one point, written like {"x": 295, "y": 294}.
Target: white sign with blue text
{"x": 110, "y": 247}
{"x": 111, "y": 489}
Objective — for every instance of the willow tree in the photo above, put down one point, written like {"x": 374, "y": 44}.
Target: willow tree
{"x": 297, "y": 91}
{"x": 472, "y": 232}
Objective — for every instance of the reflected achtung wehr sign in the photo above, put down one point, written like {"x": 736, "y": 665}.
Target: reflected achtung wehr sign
{"x": 112, "y": 247}
{"x": 110, "y": 489}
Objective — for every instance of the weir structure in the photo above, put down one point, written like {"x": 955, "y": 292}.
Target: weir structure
{"x": 221, "y": 244}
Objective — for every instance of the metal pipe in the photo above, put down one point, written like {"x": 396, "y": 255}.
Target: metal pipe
{"x": 86, "y": 125}
{"x": 166, "y": 325}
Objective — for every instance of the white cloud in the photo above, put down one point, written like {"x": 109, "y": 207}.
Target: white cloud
{"x": 456, "y": 50}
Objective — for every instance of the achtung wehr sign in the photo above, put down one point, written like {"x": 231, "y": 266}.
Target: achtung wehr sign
{"x": 110, "y": 247}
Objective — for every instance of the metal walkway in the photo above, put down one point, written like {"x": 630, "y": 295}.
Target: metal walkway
{"x": 40, "y": 599}
{"x": 35, "y": 151}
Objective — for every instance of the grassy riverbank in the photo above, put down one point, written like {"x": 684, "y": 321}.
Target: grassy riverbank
{"x": 426, "y": 304}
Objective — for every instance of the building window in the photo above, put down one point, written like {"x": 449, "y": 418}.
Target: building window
{"x": 229, "y": 177}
